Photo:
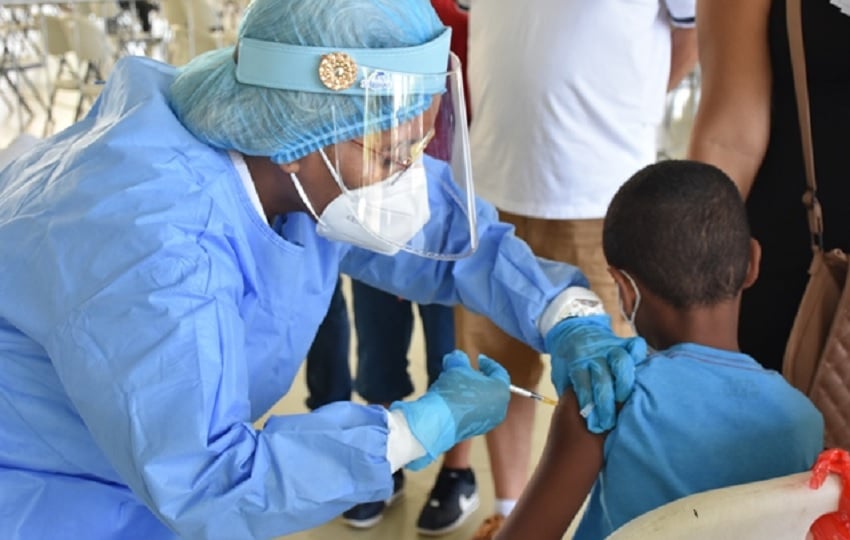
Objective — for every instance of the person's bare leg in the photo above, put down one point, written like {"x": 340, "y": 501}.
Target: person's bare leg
{"x": 509, "y": 447}
{"x": 458, "y": 456}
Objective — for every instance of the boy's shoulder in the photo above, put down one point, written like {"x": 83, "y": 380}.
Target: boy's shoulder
{"x": 720, "y": 379}
{"x": 697, "y": 357}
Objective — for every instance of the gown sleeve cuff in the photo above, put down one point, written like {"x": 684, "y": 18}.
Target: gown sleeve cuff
{"x": 402, "y": 446}
{"x": 571, "y": 302}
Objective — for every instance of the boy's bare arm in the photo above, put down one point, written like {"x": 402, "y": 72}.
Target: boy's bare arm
{"x": 571, "y": 461}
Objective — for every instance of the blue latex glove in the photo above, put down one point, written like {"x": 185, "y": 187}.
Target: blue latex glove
{"x": 596, "y": 363}
{"x": 460, "y": 404}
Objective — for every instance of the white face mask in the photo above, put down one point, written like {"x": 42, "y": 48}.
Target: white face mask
{"x": 381, "y": 217}
{"x": 631, "y": 317}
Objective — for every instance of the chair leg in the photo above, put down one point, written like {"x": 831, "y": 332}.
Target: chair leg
{"x": 21, "y": 101}
{"x": 79, "y": 112}
{"x": 35, "y": 93}
{"x": 48, "y": 123}
{"x": 9, "y": 104}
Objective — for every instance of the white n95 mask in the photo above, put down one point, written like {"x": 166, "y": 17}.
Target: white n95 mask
{"x": 381, "y": 217}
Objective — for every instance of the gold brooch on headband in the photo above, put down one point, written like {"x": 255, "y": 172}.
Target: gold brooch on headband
{"x": 337, "y": 70}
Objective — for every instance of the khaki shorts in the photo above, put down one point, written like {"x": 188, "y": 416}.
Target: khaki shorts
{"x": 577, "y": 242}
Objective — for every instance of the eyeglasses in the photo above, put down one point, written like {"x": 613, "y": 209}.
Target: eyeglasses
{"x": 411, "y": 150}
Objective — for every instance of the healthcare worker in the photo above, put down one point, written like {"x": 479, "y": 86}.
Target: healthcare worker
{"x": 165, "y": 262}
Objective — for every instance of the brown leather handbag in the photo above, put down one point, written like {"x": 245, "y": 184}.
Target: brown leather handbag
{"x": 817, "y": 356}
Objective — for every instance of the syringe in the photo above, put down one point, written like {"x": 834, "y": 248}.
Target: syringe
{"x": 533, "y": 395}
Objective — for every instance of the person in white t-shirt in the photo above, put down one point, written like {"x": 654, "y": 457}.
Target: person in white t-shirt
{"x": 566, "y": 97}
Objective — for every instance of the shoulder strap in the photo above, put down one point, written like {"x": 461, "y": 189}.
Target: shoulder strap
{"x": 793, "y": 14}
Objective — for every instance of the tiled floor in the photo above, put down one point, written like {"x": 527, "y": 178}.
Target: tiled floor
{"x": 399, "y": 522}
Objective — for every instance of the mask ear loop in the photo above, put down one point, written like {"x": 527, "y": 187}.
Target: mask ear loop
{"x": 334, "y": 173}
{"x": 633, "y": 314}
{"x": 301, "y": 193}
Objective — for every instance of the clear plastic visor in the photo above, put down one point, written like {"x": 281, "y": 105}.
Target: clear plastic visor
{"x": 408, "y": 180}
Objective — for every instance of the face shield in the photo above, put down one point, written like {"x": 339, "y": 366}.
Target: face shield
{"x": 396, "y": 145}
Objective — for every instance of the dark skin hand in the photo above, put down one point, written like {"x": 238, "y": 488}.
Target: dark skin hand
{"x": 571, "y": 461}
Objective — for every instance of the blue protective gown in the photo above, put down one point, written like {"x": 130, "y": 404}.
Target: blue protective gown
{"x": 148, "y": 315}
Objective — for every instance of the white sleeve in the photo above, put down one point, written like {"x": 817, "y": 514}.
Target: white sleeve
{"x": 402, "y": 446}
{"x": 682, "y": 13}
{"x": 572, "y": 302}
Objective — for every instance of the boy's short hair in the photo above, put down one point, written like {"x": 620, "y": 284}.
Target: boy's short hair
{"x": 680, "y": 227}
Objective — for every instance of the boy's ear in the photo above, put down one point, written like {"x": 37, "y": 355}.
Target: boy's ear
{"x": 754, "y": 264}
{"x": 624, "y": 286}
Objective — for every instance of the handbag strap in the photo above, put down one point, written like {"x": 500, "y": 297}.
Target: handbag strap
{"x": 793, "y": 13}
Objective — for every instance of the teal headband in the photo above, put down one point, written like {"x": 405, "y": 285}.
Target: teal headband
{"x": 336, "y": 70}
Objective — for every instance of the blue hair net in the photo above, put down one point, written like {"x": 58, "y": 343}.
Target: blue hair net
{"x": 283, "y": 124}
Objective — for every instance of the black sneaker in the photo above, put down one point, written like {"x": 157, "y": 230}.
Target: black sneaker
{"x": 365, "y": 515}
{"x": 453, "y": 499}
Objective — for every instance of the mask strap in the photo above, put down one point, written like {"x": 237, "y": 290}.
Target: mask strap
{"x": 303, "y": 195}
{"x": 637, "y": 296}
{"x": 300, "y": 189}
{"x": 334, "y": 173}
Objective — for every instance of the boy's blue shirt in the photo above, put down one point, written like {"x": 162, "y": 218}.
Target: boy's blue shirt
{"x": 699, "y": 418}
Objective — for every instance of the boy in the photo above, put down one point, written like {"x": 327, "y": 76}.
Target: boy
{"x": 702, "y": 415}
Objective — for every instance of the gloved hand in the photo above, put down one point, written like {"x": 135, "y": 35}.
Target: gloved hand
{"x": 460, "y": 404}
{"x": 597, "y": 364}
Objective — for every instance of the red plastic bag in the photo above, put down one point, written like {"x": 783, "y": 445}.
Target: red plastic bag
{"x": 835, "y": 525}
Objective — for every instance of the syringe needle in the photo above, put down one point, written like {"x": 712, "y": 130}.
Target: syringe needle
{"x": 533, "y": 395}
